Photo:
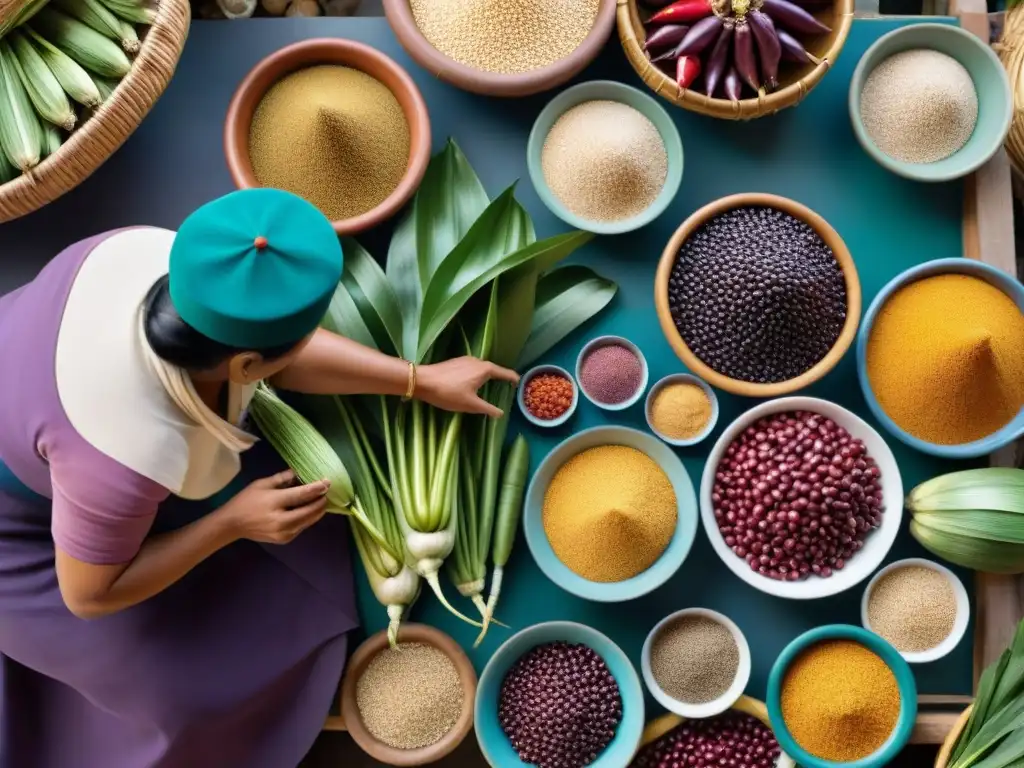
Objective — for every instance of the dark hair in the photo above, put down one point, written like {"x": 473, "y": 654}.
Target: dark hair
{"x": 177, "y": 342}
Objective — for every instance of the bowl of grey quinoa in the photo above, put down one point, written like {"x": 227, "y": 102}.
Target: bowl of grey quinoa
{"x": 411, "y": 704}
{"x": 758, "y": 295}
{"x": 507, "y": 48}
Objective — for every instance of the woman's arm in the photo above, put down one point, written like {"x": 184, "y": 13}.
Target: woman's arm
{"x": 333, "y": 365}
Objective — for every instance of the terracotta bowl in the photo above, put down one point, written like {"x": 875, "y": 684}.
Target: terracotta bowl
{"x": 331, "y": 51}
{"x": 824, "y": 230}
{"x": 400, "y": 17}
{"x": 409, "y": 633}
{"x": 942, "y": 760}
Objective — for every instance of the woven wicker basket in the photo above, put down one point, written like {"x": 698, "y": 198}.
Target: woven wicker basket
{"x": 1011, "y": 51}
{"x": 795, "y": 82}
{"x": 106, "y": 130}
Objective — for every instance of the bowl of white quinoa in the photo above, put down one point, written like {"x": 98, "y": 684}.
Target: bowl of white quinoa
{"x": 930, "y": 102}
{"x": 508, "y": 48}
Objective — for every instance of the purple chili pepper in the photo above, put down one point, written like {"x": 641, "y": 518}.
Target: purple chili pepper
{"x": 701, "y": 35}
{"x": 768, "y": 46}
{"x": 791, "y": 48}
{"x": 718, "y": 60}
{"x": 665, "y": 37}
{"x": 793, "y": 17}
{"x": 743, "y": 55}
{"x": 732, "y": 85}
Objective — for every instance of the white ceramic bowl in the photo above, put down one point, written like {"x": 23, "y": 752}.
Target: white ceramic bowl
{"x": 682, "y": 378}
{"x": 876, "y": 545}
{"x": 963, "y": 610}
{"x": 711, "y": 708}
{"x": 540, "y": 370}
{"x": 606, "y": 341}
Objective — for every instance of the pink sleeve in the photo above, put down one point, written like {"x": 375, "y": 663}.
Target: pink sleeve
{"x": 102, "y": 511}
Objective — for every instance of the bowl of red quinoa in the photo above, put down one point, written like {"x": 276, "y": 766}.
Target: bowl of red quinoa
{"x": 758, "y": 295}
{"x": 801, "y": 498}
{"x": 547, "y": 395}
{"x": 517, "y": 725}
{"x": 612, "y": 372}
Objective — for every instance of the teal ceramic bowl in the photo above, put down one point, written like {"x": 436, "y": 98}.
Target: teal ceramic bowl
{"x": 663, "y": 568}
{"x": 494, "y": 743}
{"x": 992, "y": 275}
{"x": 995, "y": 102}
{"x": 904, "y": 679}
{"x": 540, "y": 370}
{"x": 606, "y": 90}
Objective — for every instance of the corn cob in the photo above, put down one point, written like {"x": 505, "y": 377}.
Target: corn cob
{"x": 40, "y": 83}
{"x": 75, "y": 81}
{"x": 93, "y": 14}
{"x": 82, "y": 43}
{"x": 106, "y": 87}
{"x": 129, "y": 37}
{"x": 7, "y": 171}
{"x": 51, "y": 139}
{"x": 20, "y": 132}
{"x": 131, "y": 10}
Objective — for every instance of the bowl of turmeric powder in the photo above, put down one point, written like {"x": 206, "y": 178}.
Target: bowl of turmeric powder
{"x": 940, "y": 357}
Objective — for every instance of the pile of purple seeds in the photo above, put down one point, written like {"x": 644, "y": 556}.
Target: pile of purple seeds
{"x": 795, "y": 494}
{"x": 757, "y": 295}
{"x": 560, "y": 706}
{"x": 732, "y": 739}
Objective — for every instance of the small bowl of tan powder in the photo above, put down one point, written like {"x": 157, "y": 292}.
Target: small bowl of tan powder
{"x": 605, "y": 157}
{"x": 411, "y": 704}
{"x": 919, "y": 606}
{"x": 696, "y": 663}
{"x": 335, "y": 122}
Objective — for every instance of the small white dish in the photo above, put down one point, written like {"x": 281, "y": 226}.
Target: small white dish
{"x": 682, "y": 378}
{"x": 540, "y": 370}
{"x": 876, "y": 545}
{"x": 711, "y": 708}
{"x": 963, "y": 610}
{"x": 607, "y": 341}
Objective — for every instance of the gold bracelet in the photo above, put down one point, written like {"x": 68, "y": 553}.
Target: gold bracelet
{"x": 410, "y": 389}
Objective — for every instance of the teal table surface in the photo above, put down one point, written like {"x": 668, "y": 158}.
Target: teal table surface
{"x": 174, "y": 162}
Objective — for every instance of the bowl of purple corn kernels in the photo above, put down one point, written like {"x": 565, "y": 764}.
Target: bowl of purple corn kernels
{"x": 559, "y": 693}
{"x": 801, "y": 498}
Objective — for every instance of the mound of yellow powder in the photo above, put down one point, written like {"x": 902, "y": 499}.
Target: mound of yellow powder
{"x": 609, "y": 513}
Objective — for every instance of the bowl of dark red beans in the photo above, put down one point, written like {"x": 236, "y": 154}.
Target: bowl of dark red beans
{"x": 801, "y": 498}
{"x": 547, "y": 395}
{"x": 559, "y": 695}
{"x": 758, "y": 295}
{"x": 740, "y": 737}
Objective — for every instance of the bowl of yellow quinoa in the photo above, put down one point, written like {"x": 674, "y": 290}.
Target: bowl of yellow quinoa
{"x": 610, "y": 514}
{"x": 335, "y": 122}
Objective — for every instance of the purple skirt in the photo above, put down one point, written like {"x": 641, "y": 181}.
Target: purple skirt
{"x": 235, "y": 666}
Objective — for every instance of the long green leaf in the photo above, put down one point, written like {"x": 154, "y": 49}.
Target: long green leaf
{"x": 373, "y": 296}
{"x": 977, "y": 524}
{"x": 987, "y": 557}
{"x": 987, "y": 685}
{"x": 549, "y": 251}
{"x": 566, "y": 298}
{"x": 343, "y": 318}
{"x": 1011, "y": 680}
{"x": 1004, "y": 722}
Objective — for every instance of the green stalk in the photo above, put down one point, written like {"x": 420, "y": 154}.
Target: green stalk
{"x": 395, "y": 444}
{"x": 418, "y": 459}
{"x": 444, "y": 471}
{"x": 496, "y": 430}
{"x": 431, "y": 441}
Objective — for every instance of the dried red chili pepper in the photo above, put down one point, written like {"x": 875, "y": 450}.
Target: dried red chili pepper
{"x": 687, "y": 69}
{"x": 682, "y": 11}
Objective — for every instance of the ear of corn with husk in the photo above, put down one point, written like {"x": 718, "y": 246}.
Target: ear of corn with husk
{"x": 973, "y": 518}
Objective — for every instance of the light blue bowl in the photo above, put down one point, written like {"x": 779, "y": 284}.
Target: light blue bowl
{"x": 682, "y": 378}
{"x": 494, "y": 743}
{"x": 663, "y": 568}
{"x": 989, "y": 274}
{"x": 904, "y": 679}
{"x": 995, "y": 102}
{"x": 606, "y": 341}
{"x": 606, "y": 90}
{"x": 540, "y": 370}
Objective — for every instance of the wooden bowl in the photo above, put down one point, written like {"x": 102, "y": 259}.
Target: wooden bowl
{"x": 409, "y": 633}
{"x": 824, "y": 230}
{"x": 660, "y": 726}
{"x": 942, "y": 760}
{"x": 346, "y": 53}
{"x": 400, "y": 17}
{"x": 795, "y": 81}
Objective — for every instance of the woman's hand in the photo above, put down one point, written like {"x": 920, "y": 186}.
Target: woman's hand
{"x": 273, "y": 510}
{"x": 454, "y": 384}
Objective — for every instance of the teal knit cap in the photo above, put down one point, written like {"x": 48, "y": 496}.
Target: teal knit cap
{"x": 255, "y": 269}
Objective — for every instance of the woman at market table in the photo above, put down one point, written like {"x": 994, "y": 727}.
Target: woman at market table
{"x": 140, "y": 627}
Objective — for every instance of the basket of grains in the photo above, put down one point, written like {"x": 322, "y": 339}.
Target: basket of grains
{"x": 411, "y": 704}
{"x": 1011, "y": 53}
{"x": 787, "y": 265}
{"x": 742, "y": 735}
{"x": 335, "y": 122}
{"x": 507, "y": 48}
{"x": 733, "y": 59}
{"x": 74, "y": 84}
